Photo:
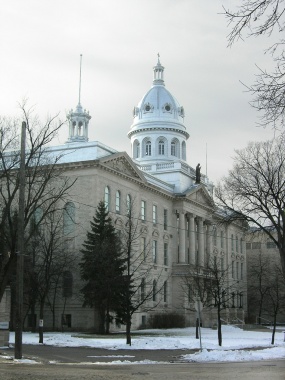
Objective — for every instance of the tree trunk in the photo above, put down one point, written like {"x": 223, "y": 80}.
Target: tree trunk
{"x": 128, "y": 332}
{"x": 274, "y": 330}
{"x": 219, "y": 327}
{"x": 102, "y": 321}
{"x": 197, "y": 328}
{"x": 33, "y": 329}
{"x": 41, "y": 324}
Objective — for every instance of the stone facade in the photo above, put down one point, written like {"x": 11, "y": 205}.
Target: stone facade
{"x": 173, "y": 203}
{"x": 5, "y": 318}
{"x": 263, "y": 263}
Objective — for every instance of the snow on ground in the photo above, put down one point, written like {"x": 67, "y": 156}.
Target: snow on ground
{"x": 236, "y": 343}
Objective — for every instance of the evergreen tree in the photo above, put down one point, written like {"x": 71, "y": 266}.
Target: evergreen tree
{"x": 102, "y": 267}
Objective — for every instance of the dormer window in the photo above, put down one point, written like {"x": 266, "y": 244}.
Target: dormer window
{"x": 167, "y": 108}
{"x": 148, "y": 107}
{"x": 181, "y": 112}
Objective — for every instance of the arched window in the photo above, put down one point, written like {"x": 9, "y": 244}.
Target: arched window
{"x": 107, "y": 198}
{"x": 142, "y": 289}
{"x": 214, "y": 236}
{"x": 36, "y": 219}
{"x": 136, "y": 149}
{"x": 161, "y": 148}
{"x": 148, "y": 148}
{"x": 67, "y": 284}
{"x": 173, "y": 150}
{"x": 154, "y": 290}
{"x": 165, "y": 291}
{"x": 68, "y": 218}
{"x": 118, "y": 202}
{"x": 80, "y": 128}
{"x": 183, "y": 150}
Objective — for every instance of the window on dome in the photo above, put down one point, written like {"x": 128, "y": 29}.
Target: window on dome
{"x": 161, "y": 147}
{"x": 167, "y": 107}
{"x": 148, "y": 148}
{"x": 173, "y": 149}
{"x": 148, "y": 107}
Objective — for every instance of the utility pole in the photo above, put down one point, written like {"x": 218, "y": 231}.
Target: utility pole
{"x": 20, "y": 249}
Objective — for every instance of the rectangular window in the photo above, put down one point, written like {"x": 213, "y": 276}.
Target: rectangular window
{"x": 256, "y": 245}
{"x": 241, "y": 271}
{"x": 233, "y": 269}
{"x": 154, "y": 251}
{"x": 240, "y": 300}
{"x": 165, "y": 219}
{"x": 237, "y": 270}
{"x": 222, "y": 239}
{"x": 143, "y": 210}
{"x": 222, "y": 264}
{"x": 241, "y": 245}
{"x": 143, "y": 248}
{"x": 165, "y": 291}
{"x": 270, "y": 245}
{"x": 165, "y": 254}
{"x": 236, "y": 244}
{"x": 154, "y": 214}
{"x": 232, "y": 242}
{"x": 66, "y": 320}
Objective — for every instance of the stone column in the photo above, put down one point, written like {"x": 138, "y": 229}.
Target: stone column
{"x": 192, "y": 238}
{"x": 182, "y": 238}
{"x": 201, "y": 245}
{"x": 209, "y": 240}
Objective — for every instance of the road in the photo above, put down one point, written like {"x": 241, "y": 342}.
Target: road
{"x": 79, "y": 363}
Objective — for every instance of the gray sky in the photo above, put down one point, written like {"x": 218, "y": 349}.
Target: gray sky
{"x": 41, "y": 42}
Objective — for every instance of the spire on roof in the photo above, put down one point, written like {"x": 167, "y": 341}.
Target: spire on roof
{"x": 78, "y": 119}
{"x": 158, "y": 72}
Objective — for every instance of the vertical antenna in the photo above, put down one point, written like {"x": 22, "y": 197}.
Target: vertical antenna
{"x": 80, "y": 79}
{"x": 206, "y": 160}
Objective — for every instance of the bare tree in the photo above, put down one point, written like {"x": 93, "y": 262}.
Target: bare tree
{"x": 259, "y": 284}
{"x": 212, "y": 287}
{"x": 275, "y": 297}
{"x": 49, "y": 259}
{"x": 46, "y": 184}
{"x": 255, "y": 18}
{"x": 143, "y": 285}
{"x": 254, "y": 190}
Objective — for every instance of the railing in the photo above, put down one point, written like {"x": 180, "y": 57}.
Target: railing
{"x": 258, "y": 320}
{"x": 165, "y": 166}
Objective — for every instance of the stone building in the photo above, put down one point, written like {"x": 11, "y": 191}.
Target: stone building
{"x": 264, "y": 277}
{"x": 174, "y": 204}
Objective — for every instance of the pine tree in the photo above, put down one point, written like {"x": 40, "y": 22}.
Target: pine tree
{"x": 102, "y": 267}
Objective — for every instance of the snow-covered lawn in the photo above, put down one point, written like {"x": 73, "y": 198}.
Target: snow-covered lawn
{"x": 236, "y": 343}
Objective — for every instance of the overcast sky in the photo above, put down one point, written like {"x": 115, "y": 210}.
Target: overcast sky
{"x": 41, "y": 43}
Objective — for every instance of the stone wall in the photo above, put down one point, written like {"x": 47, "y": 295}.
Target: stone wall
{"x": 5, "y": 318}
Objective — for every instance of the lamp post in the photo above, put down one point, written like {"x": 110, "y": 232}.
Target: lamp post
{"x": 20, "y": 250}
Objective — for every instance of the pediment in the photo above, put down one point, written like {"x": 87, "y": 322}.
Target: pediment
{"x": 122, "y": 163}
{"x": 200, "y": 195}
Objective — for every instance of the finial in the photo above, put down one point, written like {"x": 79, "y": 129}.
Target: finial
{"x": 158, "y": 56}
{"x": 80, "y": 79}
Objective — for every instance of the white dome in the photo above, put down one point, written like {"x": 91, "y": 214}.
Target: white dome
{"x": 158, "y": 132}
{"x": 158, "y": 108}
